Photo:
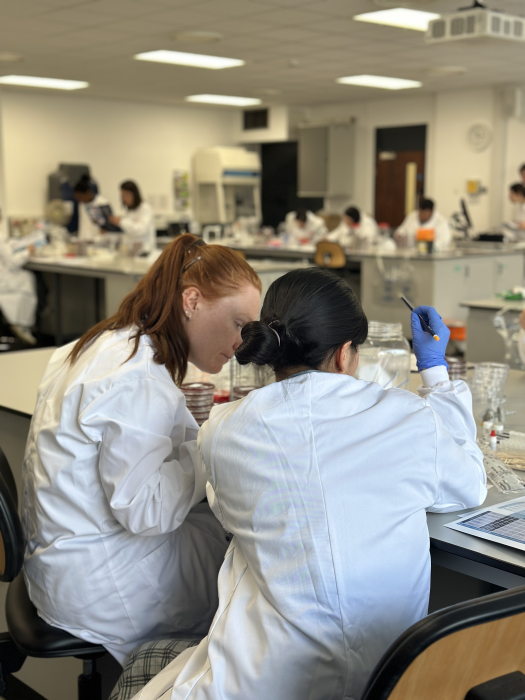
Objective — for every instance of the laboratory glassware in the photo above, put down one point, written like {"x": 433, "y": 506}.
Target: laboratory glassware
{"x": 384, "y": 357}
{"x": 246, "y": 378}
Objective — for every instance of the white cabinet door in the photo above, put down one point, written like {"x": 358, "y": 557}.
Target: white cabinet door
{"x": 508, "y": 272}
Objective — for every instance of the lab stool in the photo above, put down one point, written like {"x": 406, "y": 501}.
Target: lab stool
{"x": 28, "y": 634}
{"x": 328, "y": 254}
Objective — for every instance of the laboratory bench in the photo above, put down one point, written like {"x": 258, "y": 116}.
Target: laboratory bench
{"x": 86, "y": 290}
{"x": 441, "y": 279}
{"x": 463, "y": 566}
{"x": 484, "y": 343}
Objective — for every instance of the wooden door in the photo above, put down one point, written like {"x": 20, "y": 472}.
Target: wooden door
{"x": 391, "y": 182}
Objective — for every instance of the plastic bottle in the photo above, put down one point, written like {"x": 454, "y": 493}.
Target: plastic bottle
{"x": 493, "y": 440}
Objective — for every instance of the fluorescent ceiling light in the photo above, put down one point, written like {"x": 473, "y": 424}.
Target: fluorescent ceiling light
{"x": 32, "y": 81}
{"x": 399, "y": 17}
{"x": 196, "y": 60}
{"x": 379, "y": 81}
{"x": 225, "y": 100}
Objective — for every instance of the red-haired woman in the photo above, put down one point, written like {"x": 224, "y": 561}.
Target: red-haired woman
{"x": 120, "y": 548}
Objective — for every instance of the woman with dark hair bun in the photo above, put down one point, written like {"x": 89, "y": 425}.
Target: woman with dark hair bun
{"x": 324, "y": 481}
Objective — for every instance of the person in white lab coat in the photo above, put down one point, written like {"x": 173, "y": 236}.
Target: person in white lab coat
{"x": 325, "y": 481}
{"x": 90, "y": 201}
{"x": 303, "y": 225}
{"x": 517, "y": 198}
{"x": 355, "y": 227}
{"x": 426, "y": 217}
{"x": 120, "y": 548}
{"x": 18, "y": 296}
{"x": 137, "y": 223}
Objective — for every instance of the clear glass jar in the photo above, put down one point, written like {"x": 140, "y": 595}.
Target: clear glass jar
{"x": 246, "y": 378}
{"x": 384, "y": 357}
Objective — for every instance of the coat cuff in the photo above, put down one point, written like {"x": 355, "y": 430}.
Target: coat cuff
{"x": 434, "y": 375}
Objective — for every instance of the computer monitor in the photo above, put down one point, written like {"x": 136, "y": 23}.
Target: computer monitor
{"x": 465, "y": 213}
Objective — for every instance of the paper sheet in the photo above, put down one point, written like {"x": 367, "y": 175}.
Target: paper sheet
{"x": 503, "y": 523}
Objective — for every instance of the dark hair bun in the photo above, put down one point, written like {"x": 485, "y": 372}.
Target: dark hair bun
{"x": 260, "y": 344}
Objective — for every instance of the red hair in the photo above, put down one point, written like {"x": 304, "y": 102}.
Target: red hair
{"x": 154, "y": 307}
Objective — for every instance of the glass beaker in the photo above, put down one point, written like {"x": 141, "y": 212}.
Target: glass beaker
{"x": 384, "y": 357}
{"x": 246, "y": 378}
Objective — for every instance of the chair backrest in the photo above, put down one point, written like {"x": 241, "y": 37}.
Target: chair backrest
{"x": 328, "y": 254}
{"x": 11, "y": 534}
{"x": 453, "y": 650}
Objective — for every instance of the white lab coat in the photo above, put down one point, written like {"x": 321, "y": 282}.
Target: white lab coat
{"x": 139, "y": 226}
{"x": 367, "y": 230}
{"x": 88, "y": 226}
{"x": 18, "y": 298}
{"x": 443, "y": 234}
{"x": 325, "y": 481}
{"x": 114, "y": 554}
{"x": 313, "y": 230}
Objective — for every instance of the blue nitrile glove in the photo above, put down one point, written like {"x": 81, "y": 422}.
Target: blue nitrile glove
{"x": 429, "y": 352}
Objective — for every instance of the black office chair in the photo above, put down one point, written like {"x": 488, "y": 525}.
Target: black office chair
{"x": 471, "y": 651}
{"x": 28, "y": 634}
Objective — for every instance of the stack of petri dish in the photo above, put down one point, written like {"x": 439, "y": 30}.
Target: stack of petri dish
{"x": 489, "y": 382}
{"x": 199, "y": 399}
{"x": 457, "y": 368}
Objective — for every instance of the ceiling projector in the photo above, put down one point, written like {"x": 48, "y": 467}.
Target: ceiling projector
{"x": 476, "y": 22}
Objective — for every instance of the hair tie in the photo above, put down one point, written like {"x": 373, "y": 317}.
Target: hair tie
{"x": 277, "y": 334}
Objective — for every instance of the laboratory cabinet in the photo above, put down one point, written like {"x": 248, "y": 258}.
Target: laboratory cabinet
{"x": 442, "y": 280}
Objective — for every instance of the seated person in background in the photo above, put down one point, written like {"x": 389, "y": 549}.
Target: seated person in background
{"x": 318, "y": 478}
{"x": 303, "y": 224}
{"x": 426, "y": 217}
{"x": 18, "y": 297}
{"x": 137, "y": 223}
{"x": 517, "y": 197}
{"x": 522, "y": 173}
{"x": 355, "y": 226}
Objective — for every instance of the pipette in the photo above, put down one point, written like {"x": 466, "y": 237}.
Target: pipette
{"x": 424, "y": 324}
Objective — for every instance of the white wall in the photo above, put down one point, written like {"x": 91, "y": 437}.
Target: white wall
{"x": 450, "y": 162}
{"x": 514, "y": 159}
{"x": 373, "y": 114}
{"x": 454, "y": 160}
{"x": 119, "y": 141}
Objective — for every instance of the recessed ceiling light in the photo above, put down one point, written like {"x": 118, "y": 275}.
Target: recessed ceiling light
{"x": 196, "y": 37}
{"x": 270, "y": 92}
{"x": 10, "y": 57}
{"x": 196, "y": 60}
{"x": 225, "y": 100}
{"x": 401, "y": 17}
{"x": 447, "y": 70}
{"x": 53, "y": 83}
{"x": 379, "y": 81}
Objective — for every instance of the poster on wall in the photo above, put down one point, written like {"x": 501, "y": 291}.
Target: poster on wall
{"x": 181, "y": 190}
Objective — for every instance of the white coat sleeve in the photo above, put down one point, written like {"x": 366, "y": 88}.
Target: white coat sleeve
{"x": 13, "y": 261}
{"x": 459, "y": 467}
{"x": 136, "y": 224}
{"x": 405, "y": 228}
{"x": 149, "y": 492}
{"x": 443, "y": 235}
{"x": 337, "y": 235}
